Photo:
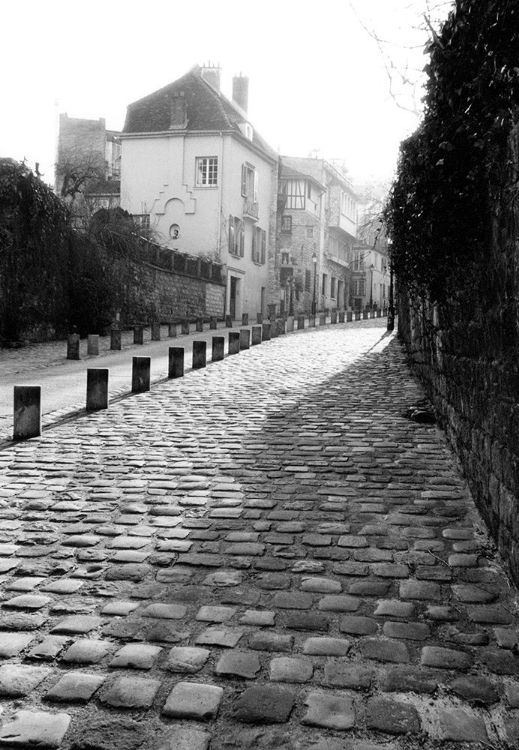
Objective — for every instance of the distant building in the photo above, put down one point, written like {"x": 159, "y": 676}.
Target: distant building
{"x": 88, "y": 165}
{"x": 197, "y": 172}
{"x": 370, "y": 264}
{"x": 317, "y": 220}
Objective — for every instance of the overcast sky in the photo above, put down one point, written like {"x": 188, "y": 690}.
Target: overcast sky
{"x": 317, "y": 79}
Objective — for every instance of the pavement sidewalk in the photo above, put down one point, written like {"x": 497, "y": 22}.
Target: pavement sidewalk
{"x": 265, "y": 553}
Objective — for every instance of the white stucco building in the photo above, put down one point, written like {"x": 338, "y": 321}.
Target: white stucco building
{"x": 195, "y": 170}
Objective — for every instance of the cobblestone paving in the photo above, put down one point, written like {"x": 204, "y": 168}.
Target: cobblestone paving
{"x": 264, "y": 554}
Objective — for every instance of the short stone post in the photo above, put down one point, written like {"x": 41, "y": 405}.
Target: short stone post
{"x": 185, "y": 327}
{"x": 245, "y": 319}
{"x": 244, "y": 339}
{"x": 176, "y": 362}
{"x": 141, "y": 372}
{"x": 311, "y": 321}
{"x": 290, "y": 324}
{"x": 27, "y": 412}
{"x": 73, "y": 346}
{"x": 358, "y": 315}
{"x": 138, "y": 334}
{"x": 255, "y": 335}
{"x": 274, "y": 330}
{"x": 115, "y": 339}
{"x": 199, "y": 325}
{"x": 349, "y": 316}
{"x": 234, "y": 342}
{"x": 259, "y": 317}
{"x": 333, "y": 318}
{"x": 199, "y": 354}
{"x": 218, "y": 348}
{"x": 265, "y": 331}
{"x": 155, "y": 331}
{"x": 228, "y": 321}
{"x": 213, "y": 323}
{"x": 322, "y": 320}
{"x": 341, "y": 317}
{"x": 93, "y": 344}
{"x": 379, "y": 313}
{"x": 282, "y": 327}
{"x": 97, "y": 389}
{"x": 172, "y": 330}
{"x": 300, "y": 322}
{"x": 365, "y": 315}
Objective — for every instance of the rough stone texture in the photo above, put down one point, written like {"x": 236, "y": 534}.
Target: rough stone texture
{"x": 331, "y": 711}
{"x": 265, "y": 704}
{"x": 34, "y": 729}
{"x": 392, "y": 716}
{"x": 192, "y": 700}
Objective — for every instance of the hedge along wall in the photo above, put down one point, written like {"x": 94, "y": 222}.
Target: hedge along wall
{"x": 454, "y": 223}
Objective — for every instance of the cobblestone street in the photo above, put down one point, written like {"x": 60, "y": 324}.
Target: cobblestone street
{"x": 263, "y": 554}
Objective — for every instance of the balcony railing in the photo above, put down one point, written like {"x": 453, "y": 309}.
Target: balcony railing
{"x": 250, "y": 209}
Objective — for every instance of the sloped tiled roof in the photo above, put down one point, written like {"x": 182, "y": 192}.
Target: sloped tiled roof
{"x": 206, "y": 109}
{"x": 291, "y": 173}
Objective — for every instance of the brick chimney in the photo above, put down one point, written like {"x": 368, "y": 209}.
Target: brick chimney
{"x": 240, "y": 91}
{"x": 178, "y": 114}
{"x": 211, "y": 74}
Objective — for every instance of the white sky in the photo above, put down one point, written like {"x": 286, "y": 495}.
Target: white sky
{"x": 317, "y": 79}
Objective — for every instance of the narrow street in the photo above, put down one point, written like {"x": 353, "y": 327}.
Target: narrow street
{"x": 266, "y": 553}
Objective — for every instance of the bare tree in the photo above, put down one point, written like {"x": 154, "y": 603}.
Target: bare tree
{"x": 402, "y": 49}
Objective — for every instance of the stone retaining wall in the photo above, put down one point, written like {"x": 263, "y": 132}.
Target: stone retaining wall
{"x": 467, "y": 356}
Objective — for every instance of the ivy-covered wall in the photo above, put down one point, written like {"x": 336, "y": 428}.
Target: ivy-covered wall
{"x": 453, "y": 219}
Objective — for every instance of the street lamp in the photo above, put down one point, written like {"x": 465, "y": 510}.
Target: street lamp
{"x": 371, "y": 268}
{"x": 314, "y": 301}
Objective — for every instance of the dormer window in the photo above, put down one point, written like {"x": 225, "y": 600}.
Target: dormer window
{"x": 247, "y": 130}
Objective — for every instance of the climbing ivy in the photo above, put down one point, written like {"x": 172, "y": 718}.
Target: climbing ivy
{"x": 441, "y": 207}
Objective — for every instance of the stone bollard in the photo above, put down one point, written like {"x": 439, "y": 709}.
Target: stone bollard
{"x": 365, "y": 315}
{"x": 379, "y": 313}
{"x": 255, "y": 335}
{"x": 245, "y": 319}
{"x": 141, "y": 374}
{"x": 228, "y": 321}
{"x": 172, "y": 330}
{"x": 155, "y": 331}
{"x": 282, "y": 327}
{"x": 73, "y": 346}
{"x": 93, "y": 344}
{"x": 259, "y": 317}
{"x": 265, "y": 331}
{"x": 213, "y": 323}
{"x": 199, "y": 325}
{"x": 311, "y": 321}
{"x": 234, "y": 342}
{"x": 322, "y": 320}
{"x": 185, "y": 327}
{"x": 358, "y": 315}
{"x": 176, "y": 362}
{"x": 138, "y": 334}
{"x": 341, "y": 317}
{"x": 97, "y": 389}
{"x": 333, "y": 318}
{"x": 290, "y": 324}
{"x": 27, "y": 412}
{"x": 199, "y": 354}
{"x": 274, "y": 330}
{"x": 218, "y": 348}
{"x": 115, "y": 339}
{"x": 349, "y": 317}
{"x": 244, "y": 339}
{"x": 300, "y": 322}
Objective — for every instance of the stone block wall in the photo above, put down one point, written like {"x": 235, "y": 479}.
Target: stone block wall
{"x": 177, "y": 296}
{"x": 467, "y": 356}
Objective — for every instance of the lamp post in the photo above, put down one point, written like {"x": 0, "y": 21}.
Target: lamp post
{"x": 291, "y": 298}
{"x": 314, "y": 300}
{"x": 371, "y": 268}
{"x": 391, "y": 311}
